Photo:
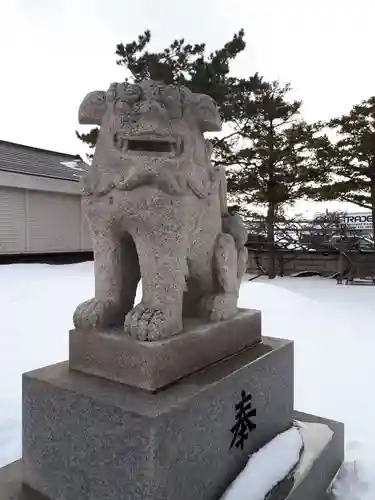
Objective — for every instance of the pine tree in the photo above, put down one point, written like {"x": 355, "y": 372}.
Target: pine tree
{"x": 353, "y": 158}
{"x": 188, "y": 65}
{"x": 274, "y": 158}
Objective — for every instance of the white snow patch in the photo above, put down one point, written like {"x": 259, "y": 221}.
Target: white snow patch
{"x": 267, "y": 467}
{"x": 356, "y": 479}
{"x": 315, "y": 438}
{"x": 74, "y": 164}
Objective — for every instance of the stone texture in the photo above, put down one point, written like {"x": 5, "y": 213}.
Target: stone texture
{"x": 153, "y": 365}
{"x": 156, "y": 208}
{"x": 310, "y": 486}
{"x": 11, "y": 487}
{"x": 88, "y": 438}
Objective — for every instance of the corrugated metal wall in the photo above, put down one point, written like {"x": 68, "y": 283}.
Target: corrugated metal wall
{"x": 41, "y": 222}
{"x": 12, "y": 220}
{"x": 53, "y": 222}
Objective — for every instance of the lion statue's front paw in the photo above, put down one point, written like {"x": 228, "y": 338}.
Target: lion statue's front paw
{"x": 147, "y": 323}
{"x": 97, "y": 314}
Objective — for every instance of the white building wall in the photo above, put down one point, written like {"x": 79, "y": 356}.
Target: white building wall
{"x": 43, "y": 220}
{"x": 12, "y": 220}
{"x": 53, "y": 221}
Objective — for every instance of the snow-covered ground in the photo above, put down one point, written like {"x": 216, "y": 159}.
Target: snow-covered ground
{"x": 332, "y": 326}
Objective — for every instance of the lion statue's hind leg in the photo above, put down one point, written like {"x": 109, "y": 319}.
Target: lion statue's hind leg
{"x": 229, "y": 262}
{"x": 223, "y": 303}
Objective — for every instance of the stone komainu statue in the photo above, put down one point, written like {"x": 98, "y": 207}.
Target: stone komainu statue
{"x": 157, "y": 211}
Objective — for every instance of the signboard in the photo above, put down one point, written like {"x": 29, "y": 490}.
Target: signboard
{"x": 358, "y": 221}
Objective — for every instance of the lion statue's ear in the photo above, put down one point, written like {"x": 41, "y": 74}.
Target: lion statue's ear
{"x": 208, "y": 115}
{"x": 92, "y": 108}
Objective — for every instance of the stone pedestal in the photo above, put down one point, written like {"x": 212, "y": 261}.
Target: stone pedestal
{"x": 88, "y": 438}
{"x": 319, "y": 463}
{"x": 153, "y": 365}
{"x": 93, "y": 430}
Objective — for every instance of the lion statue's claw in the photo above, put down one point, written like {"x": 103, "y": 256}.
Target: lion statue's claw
{"x": 97, "y": 314}
{"x": 148, "y": 323}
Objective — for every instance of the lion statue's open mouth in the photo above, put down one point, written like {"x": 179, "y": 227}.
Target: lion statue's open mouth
{"x": 157, "y": 211}
{"x": 148, "y": 146}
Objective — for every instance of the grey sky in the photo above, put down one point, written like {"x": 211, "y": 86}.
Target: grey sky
{"x": 53, "y": 52}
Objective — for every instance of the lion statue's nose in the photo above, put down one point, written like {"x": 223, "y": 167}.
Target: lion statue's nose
{"x": 149, "y": 108}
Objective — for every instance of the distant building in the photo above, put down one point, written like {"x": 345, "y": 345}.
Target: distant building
{"x": 40, "y": 202}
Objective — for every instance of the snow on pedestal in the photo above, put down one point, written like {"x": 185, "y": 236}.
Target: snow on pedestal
{"x": 267, "y": 467}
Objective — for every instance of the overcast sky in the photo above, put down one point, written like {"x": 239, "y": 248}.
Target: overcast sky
{"x": 52, "y": 52}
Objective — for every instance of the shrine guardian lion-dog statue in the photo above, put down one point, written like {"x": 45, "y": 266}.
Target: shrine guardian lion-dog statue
{"x": 156, "y": 208}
